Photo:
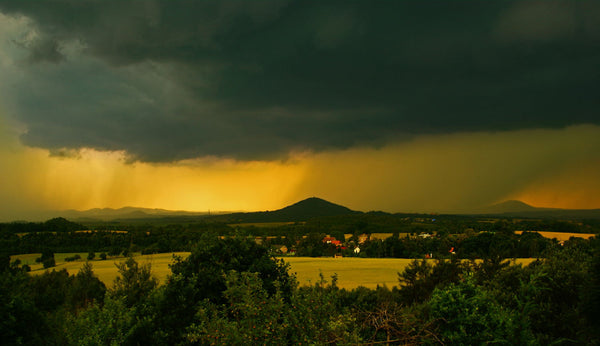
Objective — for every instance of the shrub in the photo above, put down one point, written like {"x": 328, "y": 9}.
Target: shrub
{"x": 49, "y": 262}
{"x": 73, "y": 258}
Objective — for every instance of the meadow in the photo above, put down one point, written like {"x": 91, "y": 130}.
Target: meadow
{"x": 351, "y": 272}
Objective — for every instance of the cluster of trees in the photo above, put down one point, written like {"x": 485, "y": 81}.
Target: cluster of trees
{"x": 506, "y": 244}
{"x": 135, "y": 238}
{"x": 231, "y": 291}
{"x": 470, "y": 237}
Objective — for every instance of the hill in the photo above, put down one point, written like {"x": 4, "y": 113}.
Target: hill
{"x": 514, "y": 208}
{"x": 125, "y": 213}
{"x": 510, "y": 206}
{"x": 301, "y": 211}
{"x": 58, "y": 224}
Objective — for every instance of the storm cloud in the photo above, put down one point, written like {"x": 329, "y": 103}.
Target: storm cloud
{"x": 174, "y": 80}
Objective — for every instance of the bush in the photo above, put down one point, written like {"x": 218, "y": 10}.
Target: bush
{"x": 114, "y": 251}
{"x": 103, "y": 256}
{"x": 73, "y": 258}
{"x": 49, "y": 262}
{"x": 91, "y": 255}
{"x": 466, "y": 314}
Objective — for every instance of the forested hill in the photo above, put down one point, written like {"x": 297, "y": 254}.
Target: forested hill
{"x": 304, "y": 210}
{"x": 519, "y": 209}
{"x": 58, "y": 224}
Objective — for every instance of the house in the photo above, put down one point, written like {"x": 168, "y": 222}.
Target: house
{"x": 363, "y": 238}
{"x": 328, "y": 239}
{"x": 332, "y": 240}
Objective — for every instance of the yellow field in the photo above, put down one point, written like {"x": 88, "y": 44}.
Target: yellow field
{"x": 352, "y": 272}
{"x": 106, "y": 270}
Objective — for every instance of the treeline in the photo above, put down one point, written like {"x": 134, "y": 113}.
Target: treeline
{"x": 463, "y": 237}
{"x": 129, "y": 238}
{"x": 506, "y": 244}
{"x": 53, "y": 225}
{"x": 231, "y": 291}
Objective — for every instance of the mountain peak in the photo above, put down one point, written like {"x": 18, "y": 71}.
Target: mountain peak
{"x": 313, "y": 207}
{"x": 514, "y": 205}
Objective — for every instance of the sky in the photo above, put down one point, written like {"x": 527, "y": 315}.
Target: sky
{"x": 400, "y": 106}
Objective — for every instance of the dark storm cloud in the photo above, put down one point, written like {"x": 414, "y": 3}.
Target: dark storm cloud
{"x": 177, "y": 80}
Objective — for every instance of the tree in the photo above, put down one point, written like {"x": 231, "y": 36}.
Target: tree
{"x": 111, "y": 324}
{"x": 47, "y": 259}
{"x": 420, "y": 278}
{"x": 21, "y": 322}
{"x": 86, "y": 289}
{"x": 134, "y": 282}
{"x": 465, "y": 314}
{"x": 200, "y": 278}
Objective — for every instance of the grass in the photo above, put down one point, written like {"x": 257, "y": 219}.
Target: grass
{"x": 351, "y": 271}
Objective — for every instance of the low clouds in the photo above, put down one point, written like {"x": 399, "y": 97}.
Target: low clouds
{"x": 165, "y": 81}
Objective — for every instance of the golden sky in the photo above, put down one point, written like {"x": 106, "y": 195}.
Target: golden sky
{"x": 445, "y": 173}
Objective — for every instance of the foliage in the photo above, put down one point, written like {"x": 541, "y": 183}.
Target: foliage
{"x": 134, "y": 282}
{"x": 22, "y": 322}
{"x": 231, "y": 291}
{"x": 111, "y": 324}
{"x": 201, "y": 277}
{"x": 86, "y": 289}
{"x": 73, "y": 258}
{"x": 466, "y": 314}
{"x": 420, "y": 278}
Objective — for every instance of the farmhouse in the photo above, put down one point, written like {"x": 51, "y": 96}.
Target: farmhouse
{"x": 331, "y": 240}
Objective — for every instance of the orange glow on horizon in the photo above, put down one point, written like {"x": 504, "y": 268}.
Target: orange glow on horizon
{"x": 444, "y": 173}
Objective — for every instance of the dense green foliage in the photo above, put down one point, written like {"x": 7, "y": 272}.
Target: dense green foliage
{"x": 231, "y": 291}
{"x": 470, "y": 237}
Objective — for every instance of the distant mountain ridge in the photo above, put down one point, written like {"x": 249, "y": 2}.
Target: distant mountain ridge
{"x": 510, "y": 206}
{"x": 514, "y": 208}
{"x": 125, "y": 213}
{"x": 301, "y": 211}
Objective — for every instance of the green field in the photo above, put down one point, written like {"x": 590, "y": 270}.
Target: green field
{"x": 352, "y": 272}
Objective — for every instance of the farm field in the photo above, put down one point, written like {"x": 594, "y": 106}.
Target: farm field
{"x": 352, "y": 272}
{"x": 104, "y": 269}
